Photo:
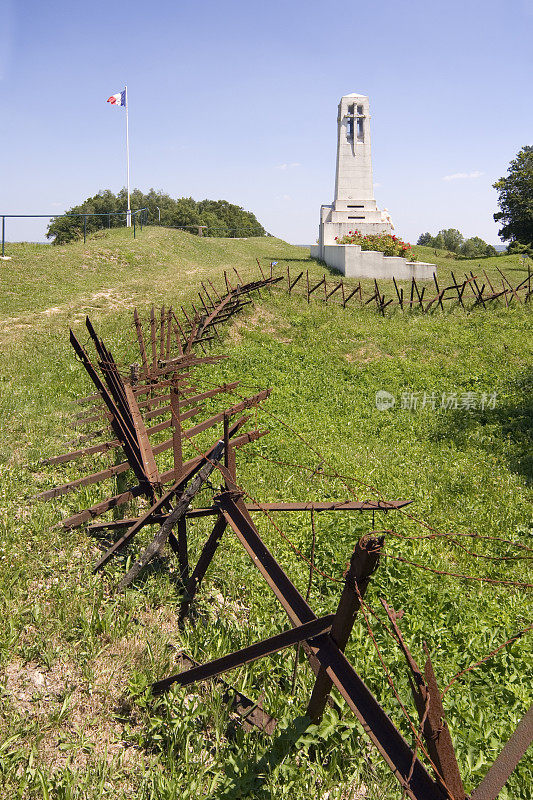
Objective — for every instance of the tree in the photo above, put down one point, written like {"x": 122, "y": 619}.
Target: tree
{"x": 475, "y": 248}
{"x": 515, "y": 199}
{"x": 452, "y": 239}
{"x": 220, "y": 217}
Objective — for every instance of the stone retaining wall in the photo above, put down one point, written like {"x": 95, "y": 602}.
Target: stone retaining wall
{"x": 354, "y": 262}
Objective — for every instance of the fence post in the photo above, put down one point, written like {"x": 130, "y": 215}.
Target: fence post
{"x": 84, "y": 229}
{"x": 3, "y": 235}
{"x": 134, "y": 226}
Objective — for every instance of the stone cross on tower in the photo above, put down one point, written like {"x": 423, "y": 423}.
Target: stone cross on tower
{"x": 354, "y": 206}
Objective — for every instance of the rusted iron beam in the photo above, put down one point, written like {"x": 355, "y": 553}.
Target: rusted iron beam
{"x": 345, "y": 301}
{"x": 152, "y": 338}
{"x": 125, "y": 522}
{"x": 147, "y": 454}
{"x": 206, "y": 308}
{"x": 384, "y": 505}
{"x": 104, "y": 447}
{"x": 294, "y": 282}
{"x": 251, "y": 714}
{"x": 177, "y": 432}
{"x": 406, "y": 767}
{"x": 206, "y": 556}
{"x": 89, "y": 398}
{"x": 475, "y": 290}
{"x": 178, "y": 330}
{"x": 438, "y": 298}
{"x": 145, "y": 519}
{"x": 509, "y": 284}
{"x": 189, "y": 471}
{"x": 439, "y": 293}
{"x": 400, "y": 297}
{"x": 154, "y": 384}
{"x": 225, "y": 387}
{"x": 211, "y": 315}
{"x": 249, "y": 402}
{"x": 166, "y": 368}
{"x": 363, "y": 563}
{"x": 480, "y": 298}
{"x": 493, "y": 290}
{"x": 135, "y": 491}
{"x": 305, "y": 631}
{"x": 174, "y": 517}
{"x": 168, "y": 332}
{"x": 229, "y": 287}
{"x": 182, "y": 549}
{"x": 120, "y": 427}
{"x": 162, "y": 332}
{"x": 109, "y": 371}
{"x": 316, "y": 286}
{"x": 210, "y": 282}
{"x": 335, "y": 289}
{"x": 236, "y": 515}
{"x": 438, "y": 737}
{"x": 430, "y": 710}
{"x": 100, "y": 508}
{"x": 507, "y": 761}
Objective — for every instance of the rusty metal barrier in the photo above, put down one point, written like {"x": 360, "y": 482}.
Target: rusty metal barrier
{"x": 124, "y": 403}
{"x": 466, "y": 293}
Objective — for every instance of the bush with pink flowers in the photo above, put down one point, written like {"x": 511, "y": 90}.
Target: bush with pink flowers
{"x": 385, "y": 243}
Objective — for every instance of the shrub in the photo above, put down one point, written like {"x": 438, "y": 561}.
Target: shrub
{"x": 385, "y": 243}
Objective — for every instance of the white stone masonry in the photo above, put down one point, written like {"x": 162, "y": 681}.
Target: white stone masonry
{"x": 354, "y": 207}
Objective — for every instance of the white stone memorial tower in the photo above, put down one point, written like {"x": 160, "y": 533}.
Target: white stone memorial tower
{"x": 354, "y": 206}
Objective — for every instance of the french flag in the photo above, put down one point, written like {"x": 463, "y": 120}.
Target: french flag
{"x": 118, "y": 99}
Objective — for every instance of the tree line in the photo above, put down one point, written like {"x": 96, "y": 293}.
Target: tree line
{"x": 218, "y": 216}
{"x": 453, "y": 240}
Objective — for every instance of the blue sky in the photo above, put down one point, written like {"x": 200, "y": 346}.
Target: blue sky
{"x": 237, "y": 100}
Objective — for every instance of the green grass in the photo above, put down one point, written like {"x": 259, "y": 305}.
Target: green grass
{"x": 75, "y": 718}
{"x": 512, "y": 265}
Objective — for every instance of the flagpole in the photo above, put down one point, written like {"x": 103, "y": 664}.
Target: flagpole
{"x": 128, "y": 215}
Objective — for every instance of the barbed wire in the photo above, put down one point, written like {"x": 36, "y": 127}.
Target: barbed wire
{"x": 484, "y": 579}
{"x": 434, "y": 532}
{"x": 299, "y": 553}
{"x": 416, "y": 730}
{"x": 486, "y": 658}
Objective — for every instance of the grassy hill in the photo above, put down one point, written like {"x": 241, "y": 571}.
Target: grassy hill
{"x": 75, "y": 719}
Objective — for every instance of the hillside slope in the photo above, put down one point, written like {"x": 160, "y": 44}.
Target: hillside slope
{"x": 76, "y": 658}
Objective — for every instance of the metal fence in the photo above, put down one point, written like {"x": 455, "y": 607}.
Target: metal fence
{"x": 137, "y": 217}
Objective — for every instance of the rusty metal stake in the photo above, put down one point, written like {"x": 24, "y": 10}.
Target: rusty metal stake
{"x": 363, "y": 562}
{"x": 430, "y": 710}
